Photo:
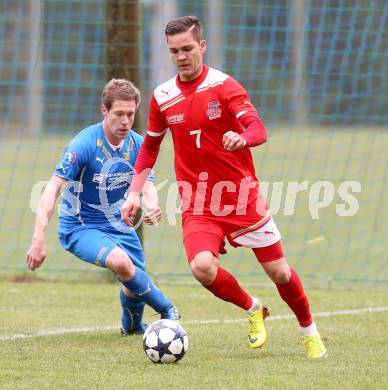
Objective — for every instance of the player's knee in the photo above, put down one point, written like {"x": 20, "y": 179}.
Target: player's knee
{"x": 119, "y": 262}
{"x": 281, "y": 277}
{"x": 204, "y": 267}
{"x": 278, "y": 270}
{"x": 124, "y": 269}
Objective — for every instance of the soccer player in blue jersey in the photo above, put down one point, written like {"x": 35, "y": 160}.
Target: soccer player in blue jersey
{"x": 93, "y": 175}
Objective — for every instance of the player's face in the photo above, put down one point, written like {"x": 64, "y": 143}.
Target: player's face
{"x": 187, "y": 54}
{"x": 118, "y": 120}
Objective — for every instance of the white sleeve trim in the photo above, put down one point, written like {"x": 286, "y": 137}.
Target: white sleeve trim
{"x": 153, "y": 134}
{"x": 241, "y": 113}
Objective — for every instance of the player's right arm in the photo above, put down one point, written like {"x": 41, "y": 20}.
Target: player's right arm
{"x": 145, "y": 161}
{"x": 37, "y": 251}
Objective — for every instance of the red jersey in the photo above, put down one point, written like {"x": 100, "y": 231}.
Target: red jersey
{"x": 198, "y": 113}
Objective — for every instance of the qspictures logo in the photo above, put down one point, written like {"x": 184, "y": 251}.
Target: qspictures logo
{"x": 287, "y": 198}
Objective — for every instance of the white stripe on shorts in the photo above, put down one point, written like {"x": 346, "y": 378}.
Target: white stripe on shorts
{"x": 266, "y": 235}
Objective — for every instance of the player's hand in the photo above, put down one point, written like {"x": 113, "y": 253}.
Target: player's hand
{"x": 153, "y": 216}
{"x": 130, "y": 207}
{"x": 233, "y": 141}
{"x": 36, "y": 254}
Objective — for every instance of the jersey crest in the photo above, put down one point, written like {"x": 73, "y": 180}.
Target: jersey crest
{"x": 214, "y": 110}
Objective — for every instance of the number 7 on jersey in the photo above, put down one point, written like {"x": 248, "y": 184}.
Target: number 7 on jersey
{"x": 197, "y": 133}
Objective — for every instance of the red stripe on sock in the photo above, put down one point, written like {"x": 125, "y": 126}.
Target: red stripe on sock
{"x": 226, "y": 287}
{"x": 293, "y": 294}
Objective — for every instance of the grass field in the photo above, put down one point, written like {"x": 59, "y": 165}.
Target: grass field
{"x": 218, "y": 356}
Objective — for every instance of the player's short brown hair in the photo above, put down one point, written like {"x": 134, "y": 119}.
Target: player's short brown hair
{"x": 119, "y": 89}
{"x": 183, "y": 24}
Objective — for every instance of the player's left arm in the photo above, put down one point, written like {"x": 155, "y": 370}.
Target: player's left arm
{"x": 149, "y": 201}
{"x": 239, "y": 105}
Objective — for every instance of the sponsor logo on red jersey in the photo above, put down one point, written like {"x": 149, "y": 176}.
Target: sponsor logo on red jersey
{"x": 172, "y": 119}
{"x": 214, "y": 110}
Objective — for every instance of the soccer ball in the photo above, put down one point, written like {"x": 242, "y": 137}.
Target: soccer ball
{"x": 165, "y": 341}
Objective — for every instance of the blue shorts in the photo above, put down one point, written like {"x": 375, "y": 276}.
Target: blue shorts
{"x": 94, "y": 245}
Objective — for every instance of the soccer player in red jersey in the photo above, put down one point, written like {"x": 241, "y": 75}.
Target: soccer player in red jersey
{"x": 213, "y": 125}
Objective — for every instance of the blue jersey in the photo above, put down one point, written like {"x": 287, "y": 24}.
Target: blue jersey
{"x": 98, "y": 179}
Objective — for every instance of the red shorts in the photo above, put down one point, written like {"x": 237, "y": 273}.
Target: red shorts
{"x": 252, "y": 230}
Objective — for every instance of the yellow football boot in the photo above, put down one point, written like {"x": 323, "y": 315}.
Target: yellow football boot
{"x": 314, "y": 346}
{"x": 256, "y": 329}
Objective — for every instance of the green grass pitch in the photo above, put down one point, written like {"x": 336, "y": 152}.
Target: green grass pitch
{"x": 218, "y": 358}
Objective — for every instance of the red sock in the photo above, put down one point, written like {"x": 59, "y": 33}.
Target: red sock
{"x": 293, "y": 294}
{"x": 226, "y": 287}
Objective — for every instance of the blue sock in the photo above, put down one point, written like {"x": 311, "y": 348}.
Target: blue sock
{"x": 144, "y": 289}
{"x": 132, "y": 312}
